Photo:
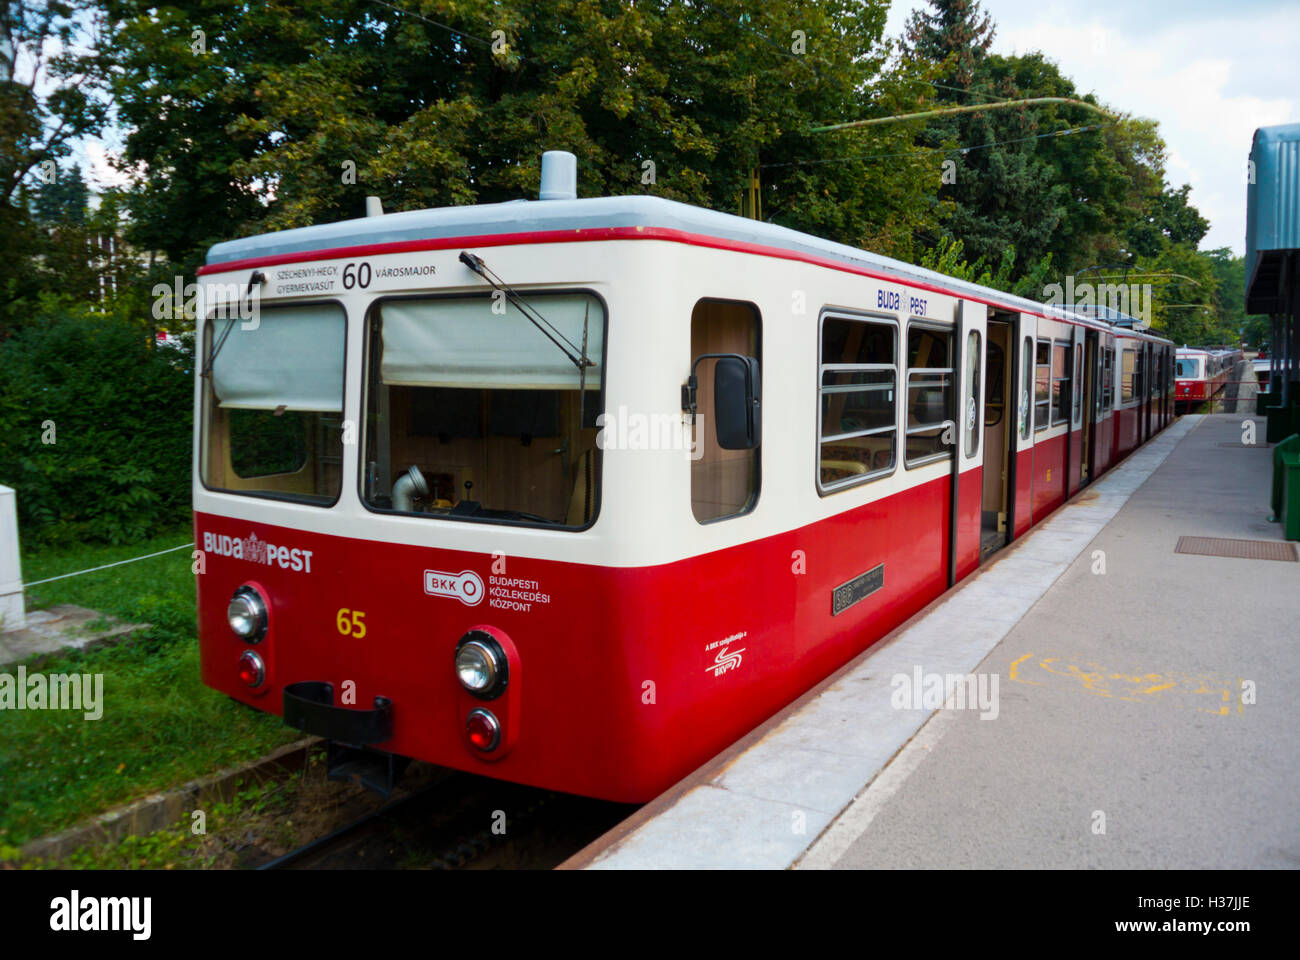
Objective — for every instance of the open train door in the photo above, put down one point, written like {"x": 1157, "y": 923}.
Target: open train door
{"x": 1074, "y": 441}
{"x": 1092, "y": 344}
{"x": 1149, "y": 372}
{"x": 1020, "y": 463}
{"x": 1001, "y": 385}
{"x": 970, "y": 333}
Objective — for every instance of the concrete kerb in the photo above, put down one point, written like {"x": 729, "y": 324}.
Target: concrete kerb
{"x": 160, "y": 810}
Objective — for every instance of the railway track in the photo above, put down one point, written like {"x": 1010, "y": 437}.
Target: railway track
{"x": 456, "y": 822}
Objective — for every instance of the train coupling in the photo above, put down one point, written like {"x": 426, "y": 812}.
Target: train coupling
{"x": 309, "y": 707}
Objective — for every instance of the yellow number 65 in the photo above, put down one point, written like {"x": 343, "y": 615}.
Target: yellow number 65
{"x": 351, "y": 623}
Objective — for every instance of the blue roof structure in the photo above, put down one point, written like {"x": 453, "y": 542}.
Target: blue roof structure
{"x": 1272, "y": 214}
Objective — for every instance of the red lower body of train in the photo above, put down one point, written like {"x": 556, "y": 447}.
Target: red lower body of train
{"x": 609, "y": 699}
{"x": 1187, "y": 392}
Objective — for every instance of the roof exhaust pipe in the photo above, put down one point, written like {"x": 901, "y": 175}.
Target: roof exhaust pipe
{"x": 373, "y": 207}
{"x": 559, "y": 175}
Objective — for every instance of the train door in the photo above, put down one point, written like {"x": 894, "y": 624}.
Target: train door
{"x": 1149, "y": 370}
{"x": 1020, "y": 473}
{"x": 1091, "y": 362}
{"x": 964, "y": 513}
{"x": 1074, "y": 419}
{"x": 999, "y": 433}
{"x": 1164, "y": 386}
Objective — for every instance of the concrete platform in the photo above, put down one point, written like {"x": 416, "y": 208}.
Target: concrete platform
{"x": 1114, "y": 730}
{"x": 64, "y": 626}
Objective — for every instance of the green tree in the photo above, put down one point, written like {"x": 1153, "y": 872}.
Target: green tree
{"x": 1167, "y": 216}
{"x": 1052, "y": 180}
{"x": 290, "y": 114}
{"x": 45, "y": 107}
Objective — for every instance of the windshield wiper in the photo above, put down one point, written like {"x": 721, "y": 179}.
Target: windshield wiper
{"x": 257, "y": 278}
{"x": 577, "y": 356}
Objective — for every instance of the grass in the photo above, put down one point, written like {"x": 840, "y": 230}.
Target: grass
{"x": 178, "y": 845}
{"x": 261, "y": 821}
{"x": 160, "y": 726}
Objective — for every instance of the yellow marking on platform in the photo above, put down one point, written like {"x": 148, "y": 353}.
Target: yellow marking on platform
{"x": 1164, "y": 686}
{"x": 1015, "y": 671}
{"x": 1098, "y": 680}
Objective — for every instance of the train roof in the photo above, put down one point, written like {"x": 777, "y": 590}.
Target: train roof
{"x": 606, "y": 213}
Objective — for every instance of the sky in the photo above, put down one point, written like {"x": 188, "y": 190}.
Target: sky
{"x": 1209, "y": 72}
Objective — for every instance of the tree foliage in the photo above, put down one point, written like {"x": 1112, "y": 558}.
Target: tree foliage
{"x": 46, "y": 105}
{"x": 1059, "y": 188}
{"x": 291, "y": 114}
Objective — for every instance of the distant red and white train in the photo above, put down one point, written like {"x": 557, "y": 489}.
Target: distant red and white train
{"x": 1203, "y": 373}
{"x": 575, "y": 493}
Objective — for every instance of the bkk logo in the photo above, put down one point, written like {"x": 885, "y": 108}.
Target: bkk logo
{"x": 726, "y": 658}
{"x": 466, "y": 586}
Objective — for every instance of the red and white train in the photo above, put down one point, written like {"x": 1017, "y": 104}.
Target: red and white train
{"x": 1203, "y": 373}
{"x": 576, "y": 492}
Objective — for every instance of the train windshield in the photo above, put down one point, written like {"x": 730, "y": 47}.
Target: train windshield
{"x": 1189, "y": 368}
{"x": 273, "y": 403}
{"x": 474, "y": 413}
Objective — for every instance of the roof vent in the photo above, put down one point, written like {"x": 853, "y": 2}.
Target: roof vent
{"x": 559, "y": 175}
{"x": 373, "y": 207}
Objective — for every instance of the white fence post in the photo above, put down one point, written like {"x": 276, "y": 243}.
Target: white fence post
{"x": 12, "y": 616}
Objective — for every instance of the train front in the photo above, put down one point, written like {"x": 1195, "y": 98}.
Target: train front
{"x": 396, "y": 477}
{"x": 1190, "y": 378}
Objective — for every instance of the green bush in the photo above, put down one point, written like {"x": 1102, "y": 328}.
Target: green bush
{"x": 118, "y": 410}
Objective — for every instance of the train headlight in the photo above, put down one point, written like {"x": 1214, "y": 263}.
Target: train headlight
{"x": 481, "y": 665}
{"x": 252, "y": 671}
{"x": 483, "y": 730}
{"x": 246, "y": 614}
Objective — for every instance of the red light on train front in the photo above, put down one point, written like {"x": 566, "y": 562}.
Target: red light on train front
{"x": 252, "y": 671}
{"x": 483, "y": 730}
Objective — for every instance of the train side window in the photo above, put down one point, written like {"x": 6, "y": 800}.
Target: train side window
{"x": 724, "y": 483}
{"x": 1027, "y": 388}
{"x": 1128, "y": 363}
{"x": 1060, "y": 382}
{"x": 930, "y": 382}
{"x": 971, "y": 411}
{"x": 857, "y": 430}
{"x": 1139, "y": 372}
{"x": 1043, "y": 385}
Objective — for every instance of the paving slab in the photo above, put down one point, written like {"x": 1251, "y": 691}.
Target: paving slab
{"x": 61, "y": 627}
